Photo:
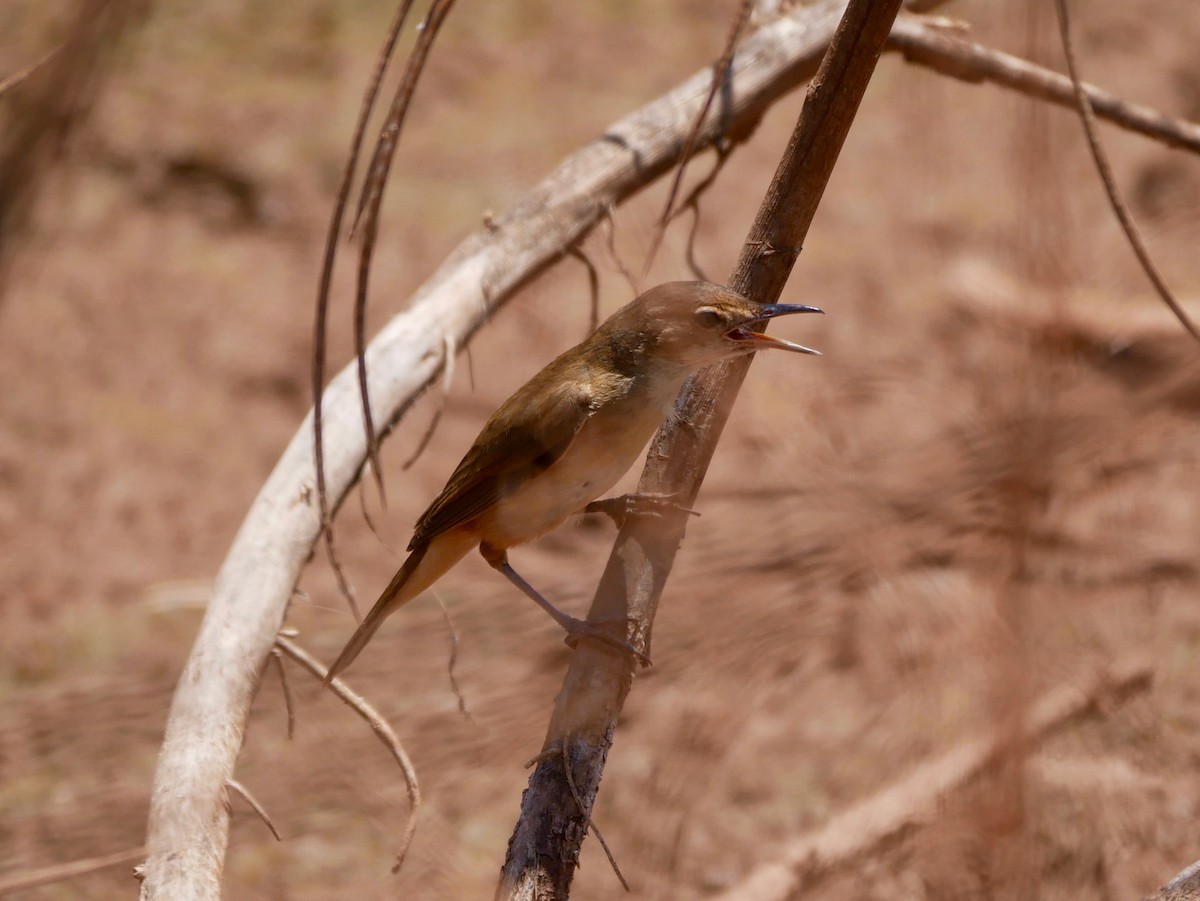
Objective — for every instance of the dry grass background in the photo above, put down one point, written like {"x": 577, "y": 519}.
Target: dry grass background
{"x": 986, "y": 488}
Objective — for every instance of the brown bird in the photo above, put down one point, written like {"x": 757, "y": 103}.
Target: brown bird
{"x": 567, "y": 435}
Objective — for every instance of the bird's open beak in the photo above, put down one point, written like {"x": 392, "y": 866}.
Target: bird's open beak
{"x": 760, "y": 341}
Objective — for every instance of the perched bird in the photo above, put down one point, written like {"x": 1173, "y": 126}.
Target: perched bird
{"x": 567, "y": 435}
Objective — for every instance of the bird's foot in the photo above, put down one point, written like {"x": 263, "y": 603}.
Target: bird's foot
{"x": 624, "y": 507}
{"x": 602, "y": 631}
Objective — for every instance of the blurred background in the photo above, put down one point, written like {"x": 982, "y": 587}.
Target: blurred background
{"x": 983, "y": 491}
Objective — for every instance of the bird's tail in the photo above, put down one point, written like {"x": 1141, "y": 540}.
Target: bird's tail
{"x": 424, "y": 566}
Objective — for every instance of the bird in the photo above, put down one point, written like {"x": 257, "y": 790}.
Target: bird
{"x": 568, "y": 435}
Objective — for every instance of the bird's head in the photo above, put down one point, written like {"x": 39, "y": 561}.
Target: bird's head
{"x": 694, "y": 324}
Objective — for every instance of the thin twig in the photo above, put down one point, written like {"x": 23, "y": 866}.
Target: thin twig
{"x": 453, "y": 660}
{"x": 321, "y": 318}
{"x": 1110, "y": 183}
{"x": 370, "y": 202}
{"x": 593, "y": 278}
{"x": 21, "y": 74}
{"x": 610, "y": 242}
{"x": 448, "y": 354}
{"x": 345, "y": 587}
{"x": 366, "y": 514}
{"x": 277, "y": 657}
{"x": 253, "y": 802}
{"x": 720, "y": 75}
{"x": 60, "y": 872}
{"x": 379, "y": 726}
{"x": 689, "y": 249}
{"x": 612, "y": 861}
{"x": 693, "y": 203}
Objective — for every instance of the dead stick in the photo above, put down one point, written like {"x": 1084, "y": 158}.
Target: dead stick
{"x": 870, "y": 822}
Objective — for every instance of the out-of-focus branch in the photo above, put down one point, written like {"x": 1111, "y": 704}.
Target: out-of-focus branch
{"x": 927, "y": 44}
{"x": 46, "y": 103}
{"x": 885, "y": 814}
{"x": 544, "y": 849}
{"x": 1184, "y": 887}
{"x": 12, "y": 883}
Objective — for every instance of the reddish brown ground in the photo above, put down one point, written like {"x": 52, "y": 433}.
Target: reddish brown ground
{"x": 985, "y": 489}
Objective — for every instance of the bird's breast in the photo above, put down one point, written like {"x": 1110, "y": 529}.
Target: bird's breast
{"x": 607, "y": 445}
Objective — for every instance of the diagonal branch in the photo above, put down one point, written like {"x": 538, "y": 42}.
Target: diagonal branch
{"x": 544, "y": 849}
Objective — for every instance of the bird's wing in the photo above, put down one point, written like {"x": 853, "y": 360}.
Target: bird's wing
{"x": 530, "y": 431}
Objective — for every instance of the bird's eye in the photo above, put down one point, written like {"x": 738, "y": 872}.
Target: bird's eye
{"x": 709, "y": 318}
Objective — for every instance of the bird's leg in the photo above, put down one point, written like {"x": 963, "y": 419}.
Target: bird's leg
{"x": 624, "y": 507}
{"x": 576, "y": 629}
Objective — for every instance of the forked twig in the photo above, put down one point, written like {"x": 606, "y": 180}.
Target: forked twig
{"x": 244, "y": 792}
{"x": 720, "y": 76}
{"x": 378, "y": 725}
{"x": 321, "y": 320}
{"x": 1110, "y": 183}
